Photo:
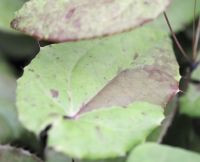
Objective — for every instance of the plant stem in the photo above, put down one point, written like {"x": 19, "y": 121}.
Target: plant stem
{"x": 193, "y": 32}
{"x": 175, "y": 39}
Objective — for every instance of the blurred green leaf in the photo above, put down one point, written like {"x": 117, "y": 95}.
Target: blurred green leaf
{"x": 7, "y": 9}
{"x": 9, "y": 126}
{"x": 11, "y": 130}
{"x": 190, "y": 101}
{"x": 53, "y": 156}
{"x": 9, "y": 154}
{"x": 151, "y": 152}
{"x": 179, "y": 13}
{"x": 14, "y": 45}
{"x": 18, "y": 46}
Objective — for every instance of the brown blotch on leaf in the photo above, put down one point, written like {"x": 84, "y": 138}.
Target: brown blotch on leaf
{"x": 161, "y": 50}
{"x": 54, "y": 93}
{"x": 143, "y": 113}
{"x": 37, "y": 76}
{"x": 31, "y": 70}
{"x": 156, "y": 74}
{"x": 135, "y": 56}
{"x": 53, "y": 114}
{"x": 68, "y": 117}
{"x": 51, "y": 105}
{"x": 97, "y": 128}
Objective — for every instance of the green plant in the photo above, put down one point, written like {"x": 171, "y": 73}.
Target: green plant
{"x": 96, "y": 99}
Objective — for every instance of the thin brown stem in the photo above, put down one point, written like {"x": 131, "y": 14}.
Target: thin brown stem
{"x": 197, "y": 38}
{"x": 175, "y": 39}
{"x": 193, "y": 32}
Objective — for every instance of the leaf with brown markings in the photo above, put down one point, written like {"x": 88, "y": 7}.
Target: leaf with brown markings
{"x": 65, "y": 20}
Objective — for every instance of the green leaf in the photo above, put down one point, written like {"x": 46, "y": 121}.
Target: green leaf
{"x": 7, "y": 8}
{"x": 65, "y": 20}
{"x": 130, "y": 76}
{"x": 152, "y": 152}
{"x": 179, "y": 14}
{"x": 115, "y": 129}
{"x": 10, "y": 154}
{"x": 53, "y": 156}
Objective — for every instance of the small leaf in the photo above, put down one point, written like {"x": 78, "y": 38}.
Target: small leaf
{"x": 151, "y": 152}
{"x": 10, "y": 154}
{"x": 72, "y": 20}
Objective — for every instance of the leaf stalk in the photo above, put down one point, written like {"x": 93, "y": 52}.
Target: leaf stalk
{"x": 193, "y": 32}
{"x": 175, "y": 39}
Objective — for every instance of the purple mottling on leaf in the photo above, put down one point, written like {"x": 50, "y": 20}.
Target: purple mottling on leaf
{"x": 70, "y": 13}
{"x": 54, "y": 93}
{"x": 77, "y": 23}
